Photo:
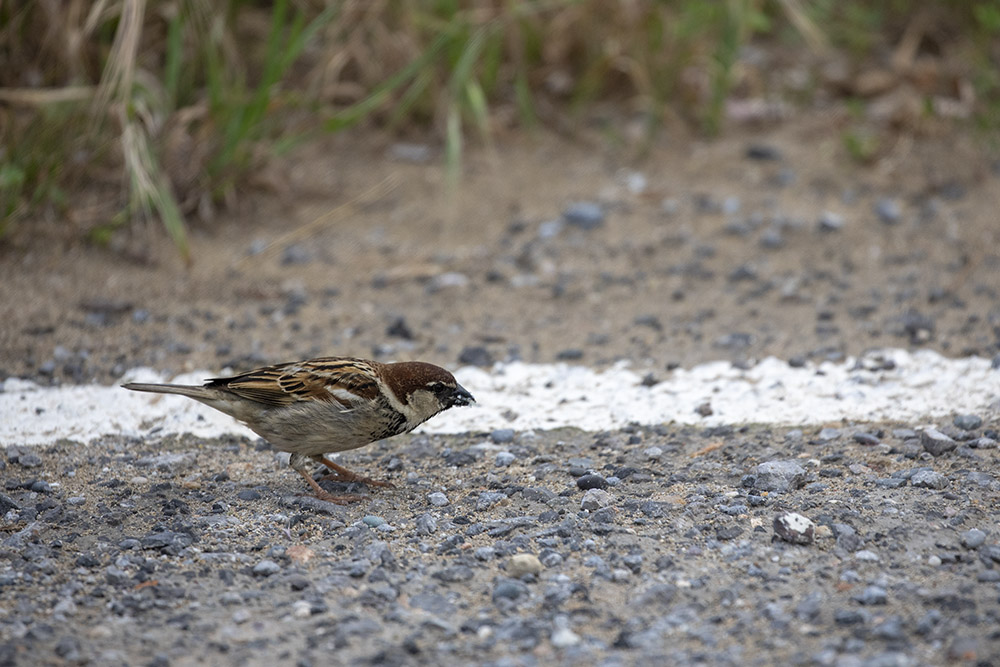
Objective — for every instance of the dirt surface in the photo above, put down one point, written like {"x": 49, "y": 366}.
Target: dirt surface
{"x": 770, "y": 242}
{"x": 710, "y": 254}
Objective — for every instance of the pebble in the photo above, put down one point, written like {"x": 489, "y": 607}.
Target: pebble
{"x": 521, "y": 564}
{"x": 780, "y": 476}
{"x": 302, "y": 609}
{"x": 595, "y": 499}
{"x": 564, "y": 638}
{"x": 509, "y": 589}
{"x": 888, "y": 210}
{"x": 968, "y": 422}
{"x": 830, "y": 222}
{"x": 502, "y": 436}
{"x": 828, "y": 434}
{"x": 438, "y": 499}
{"x": 488, "y": 499}
{"x": 795, "y": 528}
{"x": 973, "y": 538}
{"x": 372, "y": 520}
{"x": 585, "y": 215}
{"x": 504, "y": 459}
{"x": 266, "y": 568}
{"x": 865, "y": 438}
{"x": 591, "y": 481}
{"x": 872, "y": 595}
{"x": 762, "y": 152}
{"x": 475, "y": 355}
{"x": 653, "y": 453}
{"x": 929, "y": 479}
{"x": 936, "y": 442}
{"x": 426, "y": 524}
{"x": 866, "y": 556}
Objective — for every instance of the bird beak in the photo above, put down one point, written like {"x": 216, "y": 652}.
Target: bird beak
{"x": 461, "y": 397}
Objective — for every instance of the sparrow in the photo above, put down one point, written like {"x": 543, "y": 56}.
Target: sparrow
{"x": 330, "y": 404}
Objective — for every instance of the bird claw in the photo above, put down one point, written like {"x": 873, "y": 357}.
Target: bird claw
{"x": 341, "y": 499}
{"x": 360, "y": 479}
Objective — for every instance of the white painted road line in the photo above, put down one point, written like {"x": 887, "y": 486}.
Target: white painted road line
{"x": 888, "y": 385}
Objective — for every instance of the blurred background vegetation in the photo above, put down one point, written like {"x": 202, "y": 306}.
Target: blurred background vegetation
{"x": 114, "y": 111}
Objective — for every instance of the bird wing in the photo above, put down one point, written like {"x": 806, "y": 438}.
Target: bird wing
{"x": 344, "y": 381}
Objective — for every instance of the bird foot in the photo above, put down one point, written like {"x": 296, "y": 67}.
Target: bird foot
{"x": 340, "y": 499}
{"x": 361, "y": 479}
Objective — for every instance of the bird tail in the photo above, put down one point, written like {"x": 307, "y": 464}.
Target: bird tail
{"x": 198, "y": 393}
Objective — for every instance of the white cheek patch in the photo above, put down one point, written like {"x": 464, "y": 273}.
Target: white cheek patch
{"x": 396, "y": 404}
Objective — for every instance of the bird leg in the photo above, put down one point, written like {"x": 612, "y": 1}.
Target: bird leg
{"x": 297, "y": 462}
{"x": 342, "y": 474}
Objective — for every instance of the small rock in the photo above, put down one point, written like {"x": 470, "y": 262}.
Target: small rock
{"x": 564, "y": 638}
{"x": 266, "y": 568}
{"x": 502, "y": 436}
{"x": 437, "y": 499}
{"x": 372, "y": 520}
{"x": 653, "y": 453}
{"x": 475, "y": 355}
{"x": 888, "y": 210}
{"x": 968, "y": 422}
{"x": 780, "y": 476}
{"x": 828, "y": 434}
{"x": 488, "y": 499}
{"x": 410, "y": 152}
{"x": 830, "y": 222}
{"x": 295, "y": 253}
{"x": 521, "y": 564}
{"x": 865, "y": 438}
{"x": 585, "y": 215}
{"x": 595, "y": 499}
{"x": 872, "y": 595}
{"x": 504, "y": 459}
{"x": 426, "y": 524}
{"x": 928, "y": 479}
{"x": 936, "y": 442}
{"x": 509, "y": 589}
{"x": 762, "y": 152}
{"x": 795, "y": 528}
{"x": 972, "y": 539}
{"x": 591, "y": 481}
{"x": 400, "y": 329}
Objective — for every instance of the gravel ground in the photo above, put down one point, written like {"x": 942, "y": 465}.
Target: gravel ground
{"x": 848, "y": 544}
{"x": 644, "y": 546}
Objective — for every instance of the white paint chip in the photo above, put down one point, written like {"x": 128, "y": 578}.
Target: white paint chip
{"x": 918, "y": 387}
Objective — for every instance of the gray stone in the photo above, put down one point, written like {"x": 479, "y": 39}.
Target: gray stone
{"x": 504, "y": 459}
{"x": 585, "y": 215}
{"x": 488, "y": 499}
{"x": 502, "y": 436}
{"x": 872, "y": 595}
{"x": 266, "y": 568}
{"x": 795, "y": 528}
{"x": 888, "y": 210}
{"x": 968, "y": 422}
{"x": 936, "y": 442}
{"x": 928, "y": 479}
{"x": 973, "y": 538}
{"x": 595, "y": 499}
{"x": 780, "y": 476}
{"x": 437, "y": 499}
